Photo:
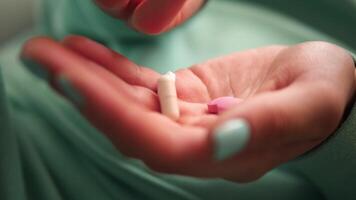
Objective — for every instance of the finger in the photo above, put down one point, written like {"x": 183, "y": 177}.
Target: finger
{"x": 56, "y": 59}
{"x": 157, "y": 16}
{"x": 113, "y": 62}
{"x": 134, "y": 74}
{"x": 134, "y": 130}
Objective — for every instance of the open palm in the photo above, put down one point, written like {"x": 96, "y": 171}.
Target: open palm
{"x": 291, "y": 102}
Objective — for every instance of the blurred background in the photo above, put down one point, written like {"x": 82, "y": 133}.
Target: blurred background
{"x": 336, "y": 18}
{"x": 15, "y": 16}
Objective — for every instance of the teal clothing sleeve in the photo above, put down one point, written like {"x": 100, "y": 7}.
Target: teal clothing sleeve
{"x": 11, "y": 179}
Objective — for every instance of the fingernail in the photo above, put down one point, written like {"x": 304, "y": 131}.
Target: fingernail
{"x": 35, "y": 68}
{"x": 69, "y": 91}
{"x": 230, "y": 138}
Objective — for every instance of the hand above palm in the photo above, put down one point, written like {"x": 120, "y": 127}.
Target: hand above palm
{"x": 151, "y": 16}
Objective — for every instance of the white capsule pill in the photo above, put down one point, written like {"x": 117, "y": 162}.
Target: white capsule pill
{"x": 167, "y": 94}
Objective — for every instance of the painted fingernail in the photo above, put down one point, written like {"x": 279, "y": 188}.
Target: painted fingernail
{"x": 35, "y": 68}
{"x": 69, "y": 91}
{"x": 230, "y": 138}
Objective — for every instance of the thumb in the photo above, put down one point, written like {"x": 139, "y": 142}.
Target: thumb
{"x": 278, "y": 119}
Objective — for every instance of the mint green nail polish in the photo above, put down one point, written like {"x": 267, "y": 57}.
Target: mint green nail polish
{"x": 40, "y": 72}
{"x": 230, "y": 138}
{"x": 69, "y": 91}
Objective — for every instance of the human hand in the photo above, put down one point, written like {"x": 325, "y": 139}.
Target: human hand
{"x": 151, "y": 16}
{"x": 294, "y": 98}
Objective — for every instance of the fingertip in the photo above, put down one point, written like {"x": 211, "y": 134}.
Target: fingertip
{"x": 149, "y": 27}
{"x": 31, "y": 53}
{"x": 32, "y": 45}
{"x": 146, "y": 19}
{"x": 230, "y": 138}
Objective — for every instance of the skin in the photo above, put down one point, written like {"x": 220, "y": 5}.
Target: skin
{"x": 294, "y": 98}
{"x": 151, "y": 16}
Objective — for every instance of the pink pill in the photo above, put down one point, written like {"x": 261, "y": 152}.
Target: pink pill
{"x": 222, "y": 104}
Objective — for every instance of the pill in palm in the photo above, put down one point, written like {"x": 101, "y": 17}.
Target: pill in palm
{"x": 167, "y": 94}
{"x": 222, "y": 104}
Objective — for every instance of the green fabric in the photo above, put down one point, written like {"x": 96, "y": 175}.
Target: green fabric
{"x": 10, "y": 169}
{"x": 335, "y": 18}
{"x": 51, "y": 152}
